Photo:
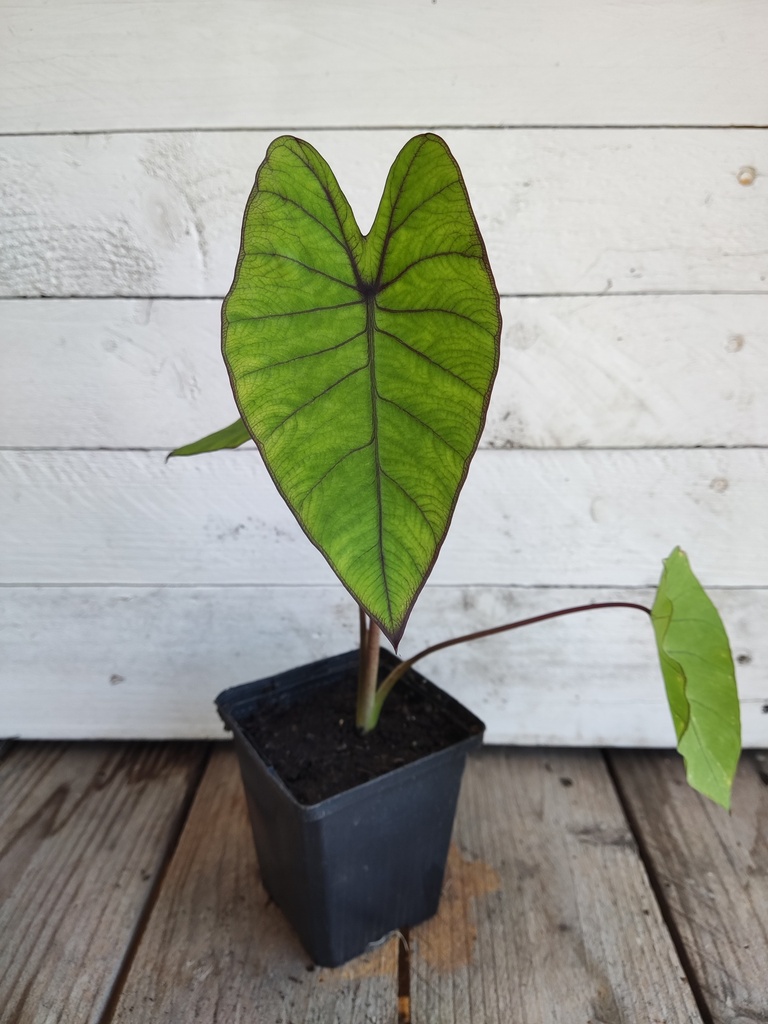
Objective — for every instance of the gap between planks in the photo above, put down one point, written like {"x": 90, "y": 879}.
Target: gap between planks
{"x": 141, "y": 923}
{"x": 709, "y": 872}
{"x": 658, "y": 890}
{"x": 86, "y": 830}
{"x": 404, "y": 978}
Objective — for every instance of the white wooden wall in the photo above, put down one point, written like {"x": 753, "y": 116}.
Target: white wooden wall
{"x": 617, "y": 158}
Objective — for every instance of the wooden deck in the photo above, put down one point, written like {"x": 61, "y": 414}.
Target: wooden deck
{"x": 583, "y": 888}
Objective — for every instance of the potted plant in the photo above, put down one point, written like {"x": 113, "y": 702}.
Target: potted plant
{"x": 362, "y": 367}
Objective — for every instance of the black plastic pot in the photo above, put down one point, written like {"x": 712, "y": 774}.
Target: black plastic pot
{"x": 351, "y": 869}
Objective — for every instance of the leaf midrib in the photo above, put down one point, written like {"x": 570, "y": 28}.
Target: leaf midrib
{"x": 370, "y": 327}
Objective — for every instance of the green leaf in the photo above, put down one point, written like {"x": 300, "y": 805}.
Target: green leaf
{"x": 363, "y": 365}
{"x": 229, "y": 437}
{"x": 699, "y": 676}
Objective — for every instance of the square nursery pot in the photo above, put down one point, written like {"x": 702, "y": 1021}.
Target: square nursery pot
{"x": 351, "y": 869}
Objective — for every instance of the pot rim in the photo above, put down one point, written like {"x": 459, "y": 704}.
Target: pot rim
{"x": 235, "y": 699}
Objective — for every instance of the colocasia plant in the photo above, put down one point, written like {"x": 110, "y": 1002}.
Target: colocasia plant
{"x": 362, "y": 367}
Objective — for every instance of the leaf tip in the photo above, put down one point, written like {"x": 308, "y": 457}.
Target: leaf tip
{"x": 394, "y": 635}
{"x": 719, "y": 794}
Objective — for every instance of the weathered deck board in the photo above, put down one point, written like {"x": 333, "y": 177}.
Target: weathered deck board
{"x": 216, "y": 949}
{"x": 712, "y": 872}
{"x": 548, "y": 915}
{"x": 85, "y": 831}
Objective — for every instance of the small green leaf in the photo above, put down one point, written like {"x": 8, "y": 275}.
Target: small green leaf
{"x": 229, "y": 437}
{"x": 698, "y": 672}
{"x": 363, "y": 365}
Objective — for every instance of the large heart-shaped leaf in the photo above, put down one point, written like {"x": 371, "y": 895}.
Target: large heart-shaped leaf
{"x": 698, "y": 672}
{"x": 362, "y": 366}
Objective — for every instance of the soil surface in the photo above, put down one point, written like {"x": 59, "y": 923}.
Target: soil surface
{"x": 317, "y": 751}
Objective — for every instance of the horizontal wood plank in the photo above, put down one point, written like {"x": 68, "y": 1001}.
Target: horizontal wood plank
{"x": 216, "y": 948}
{"x": 611, "y": 371}
{"x": 117, "y": 662}
{"x": 529, "y": 518}
{"x": 86, "y": 831}
{"x": 711, "y": 869}
{"x": 171, "y": 64}
{"x": 547, "y": 914}
{"x": 561, "y": 211}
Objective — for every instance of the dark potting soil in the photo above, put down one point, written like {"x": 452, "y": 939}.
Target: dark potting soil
{"x": 317, "y": 751}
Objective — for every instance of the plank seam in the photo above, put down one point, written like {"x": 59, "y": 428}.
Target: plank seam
{"x": 184, "y": 809}
{"x": 404, "y": 977}
{"x": 251, "y": 452}
{"x": 602, "y": 294}
{"x": 476, "y": 584}
{"x": 657, "y": 889}
{"x": 512, "y": 127}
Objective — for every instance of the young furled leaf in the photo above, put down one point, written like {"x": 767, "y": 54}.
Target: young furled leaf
{"x": 698, "y": 672}
{"x": 228, "y": 437}
{"x": 363, "y": 366}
